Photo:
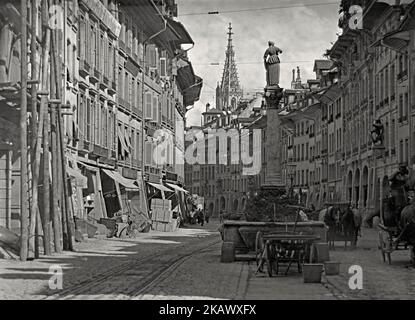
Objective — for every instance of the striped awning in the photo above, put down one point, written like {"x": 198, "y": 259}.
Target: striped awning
{"x": 176, "y": 187}
{"x": 129, "y": 184}
{"x": 159, "y": 186}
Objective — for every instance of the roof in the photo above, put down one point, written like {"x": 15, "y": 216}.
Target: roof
{"x": 322, "y": 65}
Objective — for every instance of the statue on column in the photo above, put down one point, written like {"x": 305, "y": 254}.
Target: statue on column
{"x": 272, "y": 64}
{"x": 377, "y": 133}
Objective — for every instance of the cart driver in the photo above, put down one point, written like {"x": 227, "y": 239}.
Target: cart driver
{"x": 397, "y": 186}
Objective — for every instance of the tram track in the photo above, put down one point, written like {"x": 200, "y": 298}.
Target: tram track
{"x": 157, "y": 278}
{"x": 162, "y": 266}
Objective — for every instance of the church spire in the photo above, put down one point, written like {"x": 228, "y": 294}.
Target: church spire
{"x": 293, "y": 80}
{"x": 230, "y": 89}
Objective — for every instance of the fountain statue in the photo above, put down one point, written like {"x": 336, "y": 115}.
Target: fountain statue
{"x": 272, "y": 64}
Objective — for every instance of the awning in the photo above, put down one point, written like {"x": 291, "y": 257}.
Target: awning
{"x": 396, "y": 40}
{"x": 160, "y": 187}
{"x": 127, "y": 183}
{"x": 176, "y": 187}
{"x": 81, "y": 180}
{"x": 147, "y": 16}
{"x": 181, "y": 31}
{"x": 193, "y": 93}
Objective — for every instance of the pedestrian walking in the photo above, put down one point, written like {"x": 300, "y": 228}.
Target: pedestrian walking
{"x": 221, "y": 216}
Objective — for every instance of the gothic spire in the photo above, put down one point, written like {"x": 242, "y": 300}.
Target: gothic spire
{"x": 230, "y": 89}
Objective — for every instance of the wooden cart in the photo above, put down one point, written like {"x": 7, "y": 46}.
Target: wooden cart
{"x": 394, "y": 239}
{"x": 274, "y": 249}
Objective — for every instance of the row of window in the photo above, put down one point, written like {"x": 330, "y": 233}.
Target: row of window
{"x": 96, "y": 121}
{"x": 96, "y": 47}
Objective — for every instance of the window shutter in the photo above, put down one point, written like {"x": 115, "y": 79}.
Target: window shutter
{"x": 148, "y": 108}
{"x": 155, "y": 107}
{"x": 163, "y": 67}
{"x": 153, "y": 57}
{"x": 148, "y": 153}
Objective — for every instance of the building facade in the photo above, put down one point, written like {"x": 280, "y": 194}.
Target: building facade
{"x": 368, "y": 77}
{"x": 127, "y": 81}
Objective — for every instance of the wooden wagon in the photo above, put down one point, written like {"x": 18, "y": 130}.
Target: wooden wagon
{"x": 393, "y": 237}
{"x": 285, "y": 247}
{"x": 337, "y": 229}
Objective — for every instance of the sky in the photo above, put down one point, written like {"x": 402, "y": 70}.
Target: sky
{"x": 302, "y": 32}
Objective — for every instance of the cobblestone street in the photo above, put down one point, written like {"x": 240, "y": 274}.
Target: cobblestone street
{"x": 186, "y": 265}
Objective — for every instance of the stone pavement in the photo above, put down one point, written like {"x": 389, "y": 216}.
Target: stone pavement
{"x": 290, "y": 287}
{"x": 94, "y": 259}
{"x": 186, "y": 265}
{"x": 380, "y": 280}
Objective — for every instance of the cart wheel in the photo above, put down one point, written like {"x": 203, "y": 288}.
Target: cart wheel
{"x": 259, "y": 250}
{"x": 259, "y": 247}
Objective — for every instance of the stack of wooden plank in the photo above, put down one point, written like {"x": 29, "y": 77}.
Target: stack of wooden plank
{"x": 162, "y": 216}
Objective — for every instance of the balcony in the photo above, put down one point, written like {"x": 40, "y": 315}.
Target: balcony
{"x": 84, "y": 68}
{"x": 100, "y": 151}
{"x": 95, "y": 76}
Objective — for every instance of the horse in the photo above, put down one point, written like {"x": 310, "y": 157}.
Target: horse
{"x": 331, "y": 217}
{"x": 346, "y": 223}
{"x": 351, "y": 222}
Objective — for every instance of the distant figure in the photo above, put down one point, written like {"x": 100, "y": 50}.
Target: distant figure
{"x": 221, "y": 216}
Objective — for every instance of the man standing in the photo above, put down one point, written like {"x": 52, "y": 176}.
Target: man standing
{"x": 397, "y": 186}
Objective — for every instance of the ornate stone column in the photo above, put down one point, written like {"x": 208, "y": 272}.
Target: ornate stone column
{"x": 273, "y": 178}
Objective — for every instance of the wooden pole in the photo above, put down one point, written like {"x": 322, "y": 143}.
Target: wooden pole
{"x": 67, "y": 220}
{"x": 46, "y": 130}
{"x": 46, "y": 187}
{"x": 24, "y": 214}
{"x": 36, "y": 140}
{"x": 56, "y": 222}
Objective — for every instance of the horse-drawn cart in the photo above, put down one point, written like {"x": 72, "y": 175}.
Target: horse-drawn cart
{"x": 343, "y": 224}
{"x": 275, "y": 248}
{"x": 396, "y": 230}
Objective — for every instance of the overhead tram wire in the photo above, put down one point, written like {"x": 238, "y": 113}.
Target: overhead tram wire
{"x": 215, "y": 64}
{"x": 297, "y": 5}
